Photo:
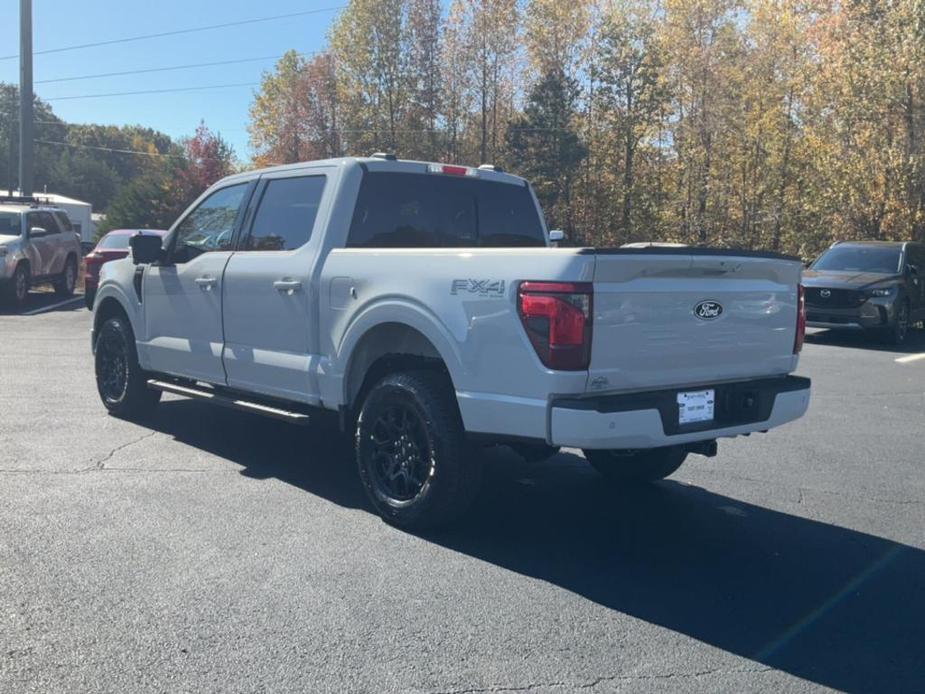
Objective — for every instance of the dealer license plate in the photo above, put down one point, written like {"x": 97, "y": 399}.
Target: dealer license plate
{"x": 696, "y": 406}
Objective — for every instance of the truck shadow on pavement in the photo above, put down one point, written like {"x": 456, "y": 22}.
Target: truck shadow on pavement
{"x": 831, "y": 605}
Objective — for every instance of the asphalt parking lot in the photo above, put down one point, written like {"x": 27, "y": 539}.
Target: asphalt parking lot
{"x": 214, "y": 551}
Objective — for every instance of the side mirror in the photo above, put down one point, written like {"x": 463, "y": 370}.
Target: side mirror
{"x": 556, "y": 235}
{"x": 913, "y": 270}
{"x": 146, "y": 249}
{"x": 37, "y": 233}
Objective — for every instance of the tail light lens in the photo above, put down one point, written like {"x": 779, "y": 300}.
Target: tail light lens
{"x": 801, "y": 319}
{"x": 557, "y": 318}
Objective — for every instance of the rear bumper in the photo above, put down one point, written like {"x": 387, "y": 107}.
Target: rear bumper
{"x": 650, "y": 419}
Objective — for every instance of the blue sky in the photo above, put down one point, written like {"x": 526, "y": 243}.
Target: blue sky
{"x": 59, "y": 23}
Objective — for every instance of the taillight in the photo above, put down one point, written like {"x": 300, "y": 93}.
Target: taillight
{"x": 93, "y": 259}
{"x": 801, "y": 320}
{"x": 557, "y": 318}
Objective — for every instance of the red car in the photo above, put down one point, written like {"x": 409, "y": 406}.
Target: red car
{"x": 112, "y": 246}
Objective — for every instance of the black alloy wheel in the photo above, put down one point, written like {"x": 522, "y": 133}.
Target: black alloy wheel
{"x": 402, "y": 454}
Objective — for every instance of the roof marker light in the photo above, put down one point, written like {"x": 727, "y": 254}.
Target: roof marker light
{"x": 452, "y": 170}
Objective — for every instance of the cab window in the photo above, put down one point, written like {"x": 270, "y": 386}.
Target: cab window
{"x": 10, "y": 223}
{"x": 210, "y": 226}
{"x": 405, "y": 210}
{"x": 286, "y": 214}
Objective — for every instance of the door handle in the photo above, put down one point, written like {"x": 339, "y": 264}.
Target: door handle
{"x": 288, "y": 286}
{"x": 206, "y": 283}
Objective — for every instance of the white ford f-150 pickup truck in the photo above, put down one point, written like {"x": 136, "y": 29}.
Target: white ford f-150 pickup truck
{"x": 425, "y": 304}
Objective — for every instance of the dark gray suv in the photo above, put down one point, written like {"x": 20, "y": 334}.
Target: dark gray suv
{"x": 877, "y": 286}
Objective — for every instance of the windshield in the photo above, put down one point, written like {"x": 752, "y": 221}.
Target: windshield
{"x": 10, "y": 224}
{"x": 115, "y": 241}
{"x": 860, "y": 259}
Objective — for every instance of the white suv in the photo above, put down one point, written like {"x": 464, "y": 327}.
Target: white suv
{"x": 37, "y": 245}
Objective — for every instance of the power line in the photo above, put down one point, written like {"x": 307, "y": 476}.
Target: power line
{"x": 168, "y": 69}
{"x": 110, "y": 149}
{"x": 176, "y": 32}
{"x": 156, "y": 91}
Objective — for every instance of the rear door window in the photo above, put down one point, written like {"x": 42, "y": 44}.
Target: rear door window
{"x": 917, "y": 257}
{"x": 64, "y": 221}
{"x": 286, "y": 214}
{"x": 396, "y": 210}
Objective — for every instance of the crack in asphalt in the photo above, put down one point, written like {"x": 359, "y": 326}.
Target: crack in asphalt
{"x": 101, "y": 463}
{"x": 605, "y": 679}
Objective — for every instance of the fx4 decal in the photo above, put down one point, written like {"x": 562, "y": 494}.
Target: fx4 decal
{"x": 494, "y": 288}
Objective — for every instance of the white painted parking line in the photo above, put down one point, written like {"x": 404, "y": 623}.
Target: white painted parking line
{"x": 66, "y": 302}
{"x": 910, "y": 358}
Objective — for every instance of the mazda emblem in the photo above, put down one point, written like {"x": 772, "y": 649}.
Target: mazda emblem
{"x": 708, "y": 310}
{"x": 825, "y": 293}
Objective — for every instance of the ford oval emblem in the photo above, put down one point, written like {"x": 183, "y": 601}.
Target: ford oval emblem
{"x": 708, "y": 310}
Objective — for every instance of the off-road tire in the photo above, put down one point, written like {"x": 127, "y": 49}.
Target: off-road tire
{"x": 641, "y": 465}
{"x": 120, "y": 381}
{"x": 409, "y": 434}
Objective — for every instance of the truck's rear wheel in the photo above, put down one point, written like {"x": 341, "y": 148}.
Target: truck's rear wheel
{"x": 412, "y": 452}
{"x": 119, "y": 379}
{"x": 637, "y": 465}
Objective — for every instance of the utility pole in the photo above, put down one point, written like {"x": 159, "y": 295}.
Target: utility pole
{"x": 26, "y": 162}
{"x": 10, "y": 164}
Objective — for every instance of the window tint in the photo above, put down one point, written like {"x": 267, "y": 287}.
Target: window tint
{"x": 49, "y": 222}
{"x": 115, "y": 241}
{"x": 844, "y": 258}
{"x": 210, "y": 226}
{"x": 917, "y": 256}
{"x": 10, "y": 223}
{"x": 43, "y": 220}
{"x": 433, "y": 211}
{"x": 286, "y": 214}
{"x": 64, "y": 221}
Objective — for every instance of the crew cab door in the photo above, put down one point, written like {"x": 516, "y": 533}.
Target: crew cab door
{"x": 269, "y": 308}
{"x": 182, "y": 298}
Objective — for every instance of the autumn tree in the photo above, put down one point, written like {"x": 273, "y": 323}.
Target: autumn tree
{"x": 544, "y": 147}
{"x": 207, "y": 158}
{"x": 631, "y": 96}
{"x": 368, "y": 42}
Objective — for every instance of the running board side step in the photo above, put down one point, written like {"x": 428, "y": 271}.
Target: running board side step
{"x": 229, "y": 401}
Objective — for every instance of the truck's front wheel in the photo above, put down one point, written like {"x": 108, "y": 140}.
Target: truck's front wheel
{"x": 119, "y": 379}
{"x": 412, "y": 452}
{"x": 637, "y": 465}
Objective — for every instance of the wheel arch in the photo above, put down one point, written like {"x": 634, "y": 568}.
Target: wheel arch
{"x": 106, "y": 308}
{"x": 385, "y": 348}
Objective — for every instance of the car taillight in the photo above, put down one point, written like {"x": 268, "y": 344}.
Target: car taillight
{"x": 557, "y": 318}
{"x": 93, "y": 259}
{"x": 801, "y": 320}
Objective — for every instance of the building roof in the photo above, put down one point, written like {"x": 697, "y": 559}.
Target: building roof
{"x": 53, "y": 199}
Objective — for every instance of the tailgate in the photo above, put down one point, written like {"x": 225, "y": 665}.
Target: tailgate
{"x": 691, "y": 316}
